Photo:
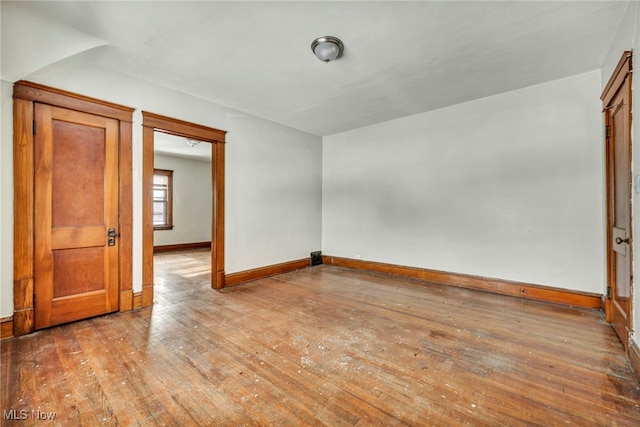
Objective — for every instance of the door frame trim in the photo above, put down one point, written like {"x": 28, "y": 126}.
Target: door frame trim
{"x": 25, "y": 95}
{"x": 614, "y": 84}
{"x": 151, "y": 123}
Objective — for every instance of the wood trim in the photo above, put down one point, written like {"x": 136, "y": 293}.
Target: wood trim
{"x": 498, "y": 286}
{"x": 154, "y": 122}
{"x": 147, "y": 208}
{"x": 181, "y": 247}
{"x": 217, "y": 227}
{"x": 623, "y": 68}
{"x": 23, "y": 216}
{"x": 125, "y": 241}
{"x": 147, "y": 296}
{"x": 634, "y": 359}
{"x": 6, "y": 327}
{"x": 609, "y": 200}
{"x": 619, "y": 81}
{"x": 23, "y": 322}
{"x": 605, "y": 306}
{"x": 47, "y": 95}
{"x": 168, "y": 225}
{"x": 137, "y": 300}
{"x": 126, "y": 300}
{"x": 240, "y": 277}
{"x": 25, "y": 94}
{"x": 181, "y": 128}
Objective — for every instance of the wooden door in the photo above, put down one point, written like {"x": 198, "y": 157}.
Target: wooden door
{"x": 617, "y": 107}
{"x": 76, "y": 203}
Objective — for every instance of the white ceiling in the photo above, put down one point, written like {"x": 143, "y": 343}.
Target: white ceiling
{"x": 400, "y": 58}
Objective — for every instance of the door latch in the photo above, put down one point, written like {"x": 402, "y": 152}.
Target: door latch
{"x": 111, "y": 237}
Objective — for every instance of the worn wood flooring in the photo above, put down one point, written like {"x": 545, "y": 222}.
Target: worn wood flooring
{"x": 321, "y": 346}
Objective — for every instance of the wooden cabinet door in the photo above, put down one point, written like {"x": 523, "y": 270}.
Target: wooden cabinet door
{"x": 76, "y": 203}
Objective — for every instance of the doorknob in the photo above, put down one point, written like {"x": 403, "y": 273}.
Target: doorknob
{"x": 621, "y": 240}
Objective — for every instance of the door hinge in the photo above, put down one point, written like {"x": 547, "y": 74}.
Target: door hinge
{"x": 34, "y": 127}
{"x": 608, "y": 131}
{"x": 608, "y": 292}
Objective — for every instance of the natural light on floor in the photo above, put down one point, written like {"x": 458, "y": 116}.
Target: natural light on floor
{"x": 186, "y": 267}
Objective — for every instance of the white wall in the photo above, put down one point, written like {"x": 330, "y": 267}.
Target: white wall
{"x": 6, "y": 197}
{"x": 191, "y": 201}
{"x": 274, "y": 202}
{"x": 623, "y": 40}
{"x": 628, "y": 38}
{"x": 507, "y": 187}
{"x": 273, "y": 177}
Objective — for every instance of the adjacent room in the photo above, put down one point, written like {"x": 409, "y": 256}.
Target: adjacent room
{"x": 319, "y": 213}
{"x": 181, "y": 206}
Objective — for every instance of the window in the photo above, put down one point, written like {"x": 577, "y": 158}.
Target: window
{"x": 162, "y": 199}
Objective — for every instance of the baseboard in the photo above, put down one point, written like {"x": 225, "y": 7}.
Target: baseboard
{"x": 23, "y": 322}
{"x": 605, "y": 306}
{"x": 126, "y": 300}
{"x": 240, "y": 277}
{"x": 147, "y": 296}
{"x": 498, "y": 286}
{"x": 181, "y": 247}
{"x": 634, "y": 358}
{"x": 137, "y": 300}
{"x": 6, "y": 327}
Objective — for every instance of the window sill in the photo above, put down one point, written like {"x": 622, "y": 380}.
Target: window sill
{"x": 162, "y": 227}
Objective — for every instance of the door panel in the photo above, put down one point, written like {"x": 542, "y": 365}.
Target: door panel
{"x": 76, "y": 202}
{"x": 617, "y": 116}
{"x": 77, "y": 271}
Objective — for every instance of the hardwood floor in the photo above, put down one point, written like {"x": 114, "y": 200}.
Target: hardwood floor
{"x": 321, "y": 346}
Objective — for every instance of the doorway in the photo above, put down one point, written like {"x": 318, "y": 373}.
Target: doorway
{"x": 616, "y": 100}
{"x": 181, "y": 213}
{"x": 72, "y": 251}
{"x": 153, "y": 123}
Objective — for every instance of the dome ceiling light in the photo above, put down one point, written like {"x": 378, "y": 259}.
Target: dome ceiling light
{"x": 327, "y": 48}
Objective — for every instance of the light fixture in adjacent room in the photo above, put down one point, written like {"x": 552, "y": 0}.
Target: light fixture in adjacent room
{"x": 192, "y": 142}
{"x": 327, "y": 48}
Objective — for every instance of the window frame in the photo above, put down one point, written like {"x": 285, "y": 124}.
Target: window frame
{"x": 168, "y": 224}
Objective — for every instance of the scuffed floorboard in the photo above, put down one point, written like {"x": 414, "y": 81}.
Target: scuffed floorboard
{"x": 321, "y": 346}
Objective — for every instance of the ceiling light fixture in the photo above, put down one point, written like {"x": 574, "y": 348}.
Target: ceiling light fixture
{"x": 192, "y": 142}
{"x": 327, "y": 48}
